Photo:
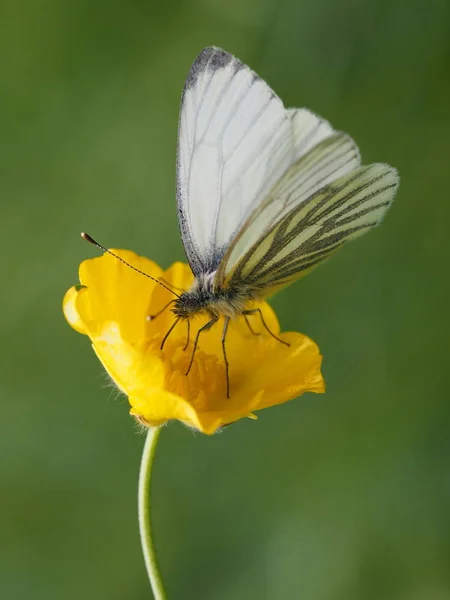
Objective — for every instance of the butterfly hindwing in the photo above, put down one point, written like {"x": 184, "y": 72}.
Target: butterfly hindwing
{"x": 316, "y": 228}
{"x": 330, "y": 159}
{"x": 308, "y": 129}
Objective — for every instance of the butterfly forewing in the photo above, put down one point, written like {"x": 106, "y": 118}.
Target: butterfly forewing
{"x": 316, "y": 228}
{"x": 235, "y": 141}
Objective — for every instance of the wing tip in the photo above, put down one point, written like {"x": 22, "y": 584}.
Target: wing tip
{"x": 211, "y": 58}
{"x": 216, "y": 54}
{"x": 393, "y": 182}
{"x": 390, "y": 172}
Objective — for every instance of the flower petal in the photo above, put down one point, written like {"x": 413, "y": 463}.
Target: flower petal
{"x": 71, "y": 312}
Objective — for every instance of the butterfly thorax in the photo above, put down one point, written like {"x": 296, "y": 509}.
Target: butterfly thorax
{"x": 205, "y": 297}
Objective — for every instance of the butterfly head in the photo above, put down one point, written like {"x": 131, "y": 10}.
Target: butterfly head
{"x": 189, "y": 304}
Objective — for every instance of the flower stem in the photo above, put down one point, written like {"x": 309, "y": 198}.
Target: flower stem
{"x": 145, "y": 524}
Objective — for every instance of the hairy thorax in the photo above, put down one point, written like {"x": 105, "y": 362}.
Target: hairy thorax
{"x": 203, "y": 297}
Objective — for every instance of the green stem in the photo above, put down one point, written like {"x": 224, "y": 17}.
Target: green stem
{"x": 145, "y": 524}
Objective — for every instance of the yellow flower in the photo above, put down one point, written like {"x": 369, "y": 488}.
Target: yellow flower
{"x": 112, "y": 306}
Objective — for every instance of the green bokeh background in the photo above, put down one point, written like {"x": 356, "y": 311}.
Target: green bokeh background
{"x": 344, "y": 496}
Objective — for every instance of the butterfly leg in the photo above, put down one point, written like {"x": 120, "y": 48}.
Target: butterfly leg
{"x": 151, "y": 317}
{"x": 224, "y": 351}
{"x": 252, "y": 331}
{"x": 261, "y": 316}
{"x": 188, "y": 334}
{"x": 172, "y": 327}
{"x": 205, "y": 327}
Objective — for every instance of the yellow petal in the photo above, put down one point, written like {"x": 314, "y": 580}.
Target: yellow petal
{"x": 71, "y": 312}
{"x": 118, "y": 293}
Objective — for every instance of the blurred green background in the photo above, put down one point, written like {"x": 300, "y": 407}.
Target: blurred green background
{"x": 343, "y": 496}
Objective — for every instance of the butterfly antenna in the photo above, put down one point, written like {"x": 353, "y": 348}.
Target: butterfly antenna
{"x": 91, "y": 240}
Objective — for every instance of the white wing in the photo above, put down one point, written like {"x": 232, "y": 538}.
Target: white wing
{"x": 308, "y": 129}
{"x": 335, "y": 156}
{"x": 316, "y": 228}
{"x": 235, "y": 141}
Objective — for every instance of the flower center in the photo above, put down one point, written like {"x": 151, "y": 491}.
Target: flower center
{"x": 205, "y": 380}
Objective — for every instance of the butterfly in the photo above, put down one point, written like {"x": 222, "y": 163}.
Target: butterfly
{"x": 264, "y": 193}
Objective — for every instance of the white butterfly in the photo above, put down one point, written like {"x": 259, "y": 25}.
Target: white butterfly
{"x": 264, "y": 193}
